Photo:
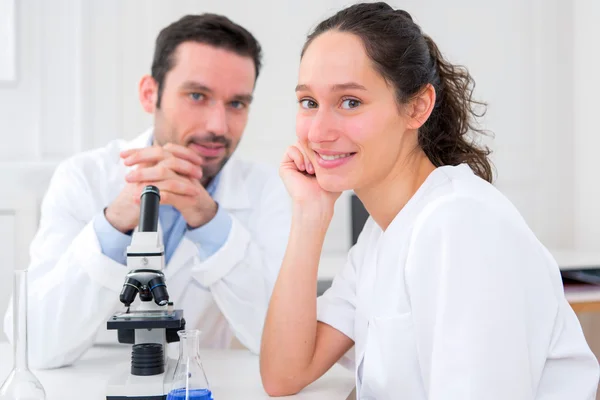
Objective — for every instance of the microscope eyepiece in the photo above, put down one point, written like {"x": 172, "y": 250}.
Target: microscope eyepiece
{"x": 150, "y": 200}
{"x": 159, "y": 290}
{"x": 130, "y": 289}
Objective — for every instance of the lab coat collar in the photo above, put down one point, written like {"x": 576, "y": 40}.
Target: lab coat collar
{"x": 231, "y": 193}
{"x": 140, "y": 141}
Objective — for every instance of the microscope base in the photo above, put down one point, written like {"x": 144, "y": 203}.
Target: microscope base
{"x": 124, "y": 386}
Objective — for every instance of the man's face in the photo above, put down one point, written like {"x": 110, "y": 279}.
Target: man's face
{"x": 205, "y": 102}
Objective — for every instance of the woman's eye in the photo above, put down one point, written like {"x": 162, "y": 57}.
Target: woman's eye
{"x": 307, "y": 103}
{"x": 350, "y": 103}
{"x": 196, "y": 96}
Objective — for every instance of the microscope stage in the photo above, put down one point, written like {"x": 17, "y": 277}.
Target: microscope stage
{"x": 147, "y": 320}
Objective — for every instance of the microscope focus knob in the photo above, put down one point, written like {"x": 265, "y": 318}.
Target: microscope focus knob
{"x": 147, "y": 359}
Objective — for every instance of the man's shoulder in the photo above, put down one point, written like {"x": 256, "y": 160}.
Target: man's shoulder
{"x": 99, "y": 168}
{"x": 102, "y": 159}
{"x": 90, "y": 161}
{"x": 86, "y": 180}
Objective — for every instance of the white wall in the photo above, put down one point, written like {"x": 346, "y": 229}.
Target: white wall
{"x": 79, "y": 62}
{"x": 586, "y": 59}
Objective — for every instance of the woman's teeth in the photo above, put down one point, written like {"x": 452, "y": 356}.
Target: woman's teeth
{"x": 334, "y": 157}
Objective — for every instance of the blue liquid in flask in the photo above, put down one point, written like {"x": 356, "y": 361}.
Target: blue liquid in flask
{"x": 193, "y": 394}
{"x": 189, "y": 380}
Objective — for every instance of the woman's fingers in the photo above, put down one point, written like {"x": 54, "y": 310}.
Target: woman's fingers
{"x": 295, "y": 156}
{"x": 309, "y": 168}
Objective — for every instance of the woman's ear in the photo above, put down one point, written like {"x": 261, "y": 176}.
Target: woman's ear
{"x": 148, "y": 92}
{"x": 420, "y": 107}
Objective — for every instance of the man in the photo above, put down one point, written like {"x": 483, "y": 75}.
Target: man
{"x": 224, "y": 222}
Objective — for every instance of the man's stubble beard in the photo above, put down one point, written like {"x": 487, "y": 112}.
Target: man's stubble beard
{"x": 208, "y": 173}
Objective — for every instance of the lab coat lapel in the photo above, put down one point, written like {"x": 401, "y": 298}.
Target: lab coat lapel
{"x": 183, "y": 255}
{"x": 232, "y": 192}
{"x": 364, "y": 307}
{"x": 140, "y": 141}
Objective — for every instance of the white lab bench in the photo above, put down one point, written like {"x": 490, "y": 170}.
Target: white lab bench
{"x": 232, "y": 375}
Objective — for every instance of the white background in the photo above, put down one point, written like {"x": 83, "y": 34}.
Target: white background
{"x": 534, "y": 61}
{"x": 7, "y": 42}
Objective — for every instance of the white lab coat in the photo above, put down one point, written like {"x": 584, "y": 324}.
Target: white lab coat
{"x": 74, "y": 288}
{"x": 458, "y": 300}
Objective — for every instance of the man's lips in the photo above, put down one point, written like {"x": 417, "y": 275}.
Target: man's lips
{"x": 209, "y": 150}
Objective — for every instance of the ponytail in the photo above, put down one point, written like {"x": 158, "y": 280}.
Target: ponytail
{"x": 444, "y": 136}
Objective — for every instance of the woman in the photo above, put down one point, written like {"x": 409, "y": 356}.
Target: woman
{"x": 447, "y": 294}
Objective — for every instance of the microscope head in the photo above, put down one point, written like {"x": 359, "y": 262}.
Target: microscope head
{"x": 145, "y": 255}
{"x": 150, "y": 325}
{"x": 149, "y": 283}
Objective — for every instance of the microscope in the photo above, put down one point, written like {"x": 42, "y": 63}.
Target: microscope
{"x": 150, "y": 323}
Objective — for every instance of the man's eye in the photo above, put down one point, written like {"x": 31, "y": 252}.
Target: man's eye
{"x": 238, "y": 105}
{"x": 196, "y": 96}
{"x": 307, "y": 103}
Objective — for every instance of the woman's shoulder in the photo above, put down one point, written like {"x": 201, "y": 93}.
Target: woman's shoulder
{"x": 463, "y": 187}
{"x": 469, "y": 228}
{"x": 467, "y": 201}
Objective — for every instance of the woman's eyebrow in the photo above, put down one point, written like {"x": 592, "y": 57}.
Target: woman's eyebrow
{"x": 334, "y": 88}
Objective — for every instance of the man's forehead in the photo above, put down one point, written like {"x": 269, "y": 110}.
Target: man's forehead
{"x": 217, "y": 68}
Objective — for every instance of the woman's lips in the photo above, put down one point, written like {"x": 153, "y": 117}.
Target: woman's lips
{"x": 328, "y": 159}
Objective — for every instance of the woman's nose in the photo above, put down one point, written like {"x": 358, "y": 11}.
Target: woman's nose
{"x": 323, "y": 128}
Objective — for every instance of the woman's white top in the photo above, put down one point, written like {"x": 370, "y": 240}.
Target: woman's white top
{"x": 458, "y": 299}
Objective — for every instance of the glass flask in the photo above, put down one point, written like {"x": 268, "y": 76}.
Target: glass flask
{"x": 189, "y": 379}
{"x": 21, "y": 383}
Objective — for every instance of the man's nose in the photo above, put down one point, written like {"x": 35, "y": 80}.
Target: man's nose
{"x": 217, "y": 119}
